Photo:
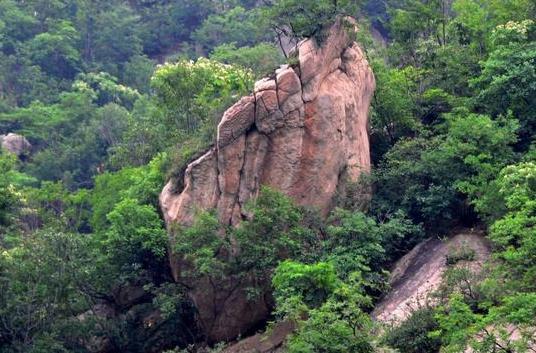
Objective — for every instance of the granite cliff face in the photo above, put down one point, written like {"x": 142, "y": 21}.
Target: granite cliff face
{"x": 303, "y": 131}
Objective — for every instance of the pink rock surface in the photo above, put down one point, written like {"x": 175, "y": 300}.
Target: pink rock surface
{"x": 312, "y": 120}
{"x": 419, "y": 273}
{"x": 303, "y": 132}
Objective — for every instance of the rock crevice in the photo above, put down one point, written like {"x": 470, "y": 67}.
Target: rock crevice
{"x": 296, "y": 128}
{"x": 298, "y": 132}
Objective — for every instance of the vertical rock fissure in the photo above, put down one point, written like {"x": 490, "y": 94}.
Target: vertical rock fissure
{"x": 301, "y": 132}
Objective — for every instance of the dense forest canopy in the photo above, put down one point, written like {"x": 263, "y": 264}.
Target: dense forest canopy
{"x": 116, "y": 97}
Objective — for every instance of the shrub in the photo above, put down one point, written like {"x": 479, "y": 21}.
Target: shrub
{"x": 411, "y": 336}
{"x": 463, "y": 253}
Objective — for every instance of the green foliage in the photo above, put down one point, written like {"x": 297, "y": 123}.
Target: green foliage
{"x": 514, "y": 233}
{"x": 104, "y": 89}
{"x": 8, "y": 197}
{"x": 462, "y": 253}
{"x": 137, "y": 73}
{"x": 144, "y": 137}
{"x": 452, "y": 130}
{"x": 201, "y": 245}
{"x": 301, "y": 19}
{"x": 455, "y": 325}
{"x": 508, "y": 75}
{"x": 40, "y": 122}
{"x": 394, "y": 101}
{"x": 238, "y": 26}
{"x": 261, "y": 58}
{"x": 114, "y": 38}
{"x": 273, "y": 233}
{"x": 141, "y": 183}
{"x": 52, "y": 204}
{"x": 354, "y": 243}
{"x": 55, "y": 51}
{"x": 459, "y": 326}
{"x": 483, "y": 314}
{"x": 40, "y": 281}
{"x": 327, "y": 331}
{"x": 329, "y": 312}
{"x": 311, "y": 285}
{"x": 133, "y": 229}
{"x": 412, "y": 335}
{"x": 426, "y": 177}
{"x": 76, "y": 161}
{"x": 194, "y": 94}
{"x": 164, "y": 24}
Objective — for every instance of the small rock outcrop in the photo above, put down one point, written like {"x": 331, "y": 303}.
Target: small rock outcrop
{"x": 303, "y": 131}
{"x": 16, "y": 144}
{"x": 272, "y": 341}
{"x": 420, "y": 272}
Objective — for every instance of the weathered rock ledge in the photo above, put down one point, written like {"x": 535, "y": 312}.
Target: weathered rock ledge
{"x": 303, "y": 131}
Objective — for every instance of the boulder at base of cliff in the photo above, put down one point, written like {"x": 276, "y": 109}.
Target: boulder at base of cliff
{"x": 304, "y": 132}
{"x": 16, "y": 144}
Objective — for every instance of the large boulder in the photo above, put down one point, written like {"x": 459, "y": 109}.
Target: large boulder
{"x": 15, "y": 144}
{"x": 302, "y": 131}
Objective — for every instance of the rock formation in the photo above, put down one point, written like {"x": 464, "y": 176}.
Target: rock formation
{"x": 420, "y": 272}
{"x": 15, "y": 144}
{"x": 272, "y": 341}
{"x": 303, "y": 131}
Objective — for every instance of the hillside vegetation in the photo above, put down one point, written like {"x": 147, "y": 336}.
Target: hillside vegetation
{"x": 117, "y": 97}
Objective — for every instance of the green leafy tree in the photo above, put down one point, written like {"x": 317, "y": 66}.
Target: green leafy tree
{"x": 261, "y": 58}
{"x": 164, "y": 24}
{"x": 272, "y": 233}
{"x": 238, "y": 25}
{"x": 105, "y": 89}
{"x": 460, "y": 327}
{"x": 140, "y": 183}
{"x": 114, "y": 39}
{"x": 41, "y": 281}
{"x": 514, "y": 233}
{"x": 394, "y": 105}
{"x": 194, "y": 94}
{"x": 328, "y": 312}
{"x": 413, "y": 335}
{"x": 298, "y": 19}
{"x": 143, "y": 137}
{"x": 19, "y": 25}
{"x": 137, "y": 73}
{"x": 8, "y": 197}
{"x": 275, "y": 232}
{"x": 508, "y": 75}
{"x": 203, "y": 248}
{"x": 135, "y": 229}
{"x": 309, "y": 285}
{"x": 426, "y": 177}
{"x": 354, "y": 243}
{"x": 56, "y": 51}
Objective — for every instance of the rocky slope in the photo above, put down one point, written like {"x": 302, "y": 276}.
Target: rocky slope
{"x": 420, "y": 272}
{"x": 303, "y": 131}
